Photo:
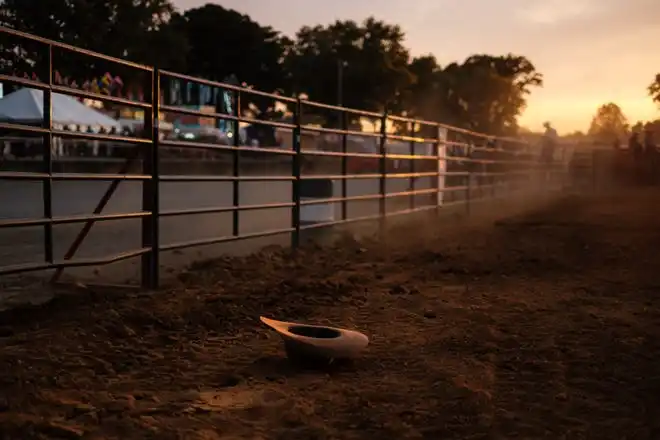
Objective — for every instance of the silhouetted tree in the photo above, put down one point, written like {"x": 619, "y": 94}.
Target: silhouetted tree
{"x": 131, "y": 29}
{"x": 224, "y": 42}
{"x": 421, "y": 98}
{"x": 609, "y": 124}
{"x": 654, "y": 89}
{"x": 484, "y": 93}
{"x": 370, "y": 57}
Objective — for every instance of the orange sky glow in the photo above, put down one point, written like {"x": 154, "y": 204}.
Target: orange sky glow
{"x": 590, "y": 51}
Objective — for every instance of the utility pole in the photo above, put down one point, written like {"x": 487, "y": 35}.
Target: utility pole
{"x": 340, "y": 82}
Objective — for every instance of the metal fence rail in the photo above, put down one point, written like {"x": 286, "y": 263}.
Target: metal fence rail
{"x": 482, "y": 165}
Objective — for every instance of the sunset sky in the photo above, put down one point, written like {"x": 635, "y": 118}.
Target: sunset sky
{"x": 590, "y": 51}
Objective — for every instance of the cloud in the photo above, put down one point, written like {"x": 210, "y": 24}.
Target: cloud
{"x": 591, "y": 19}
{"x": 556, "y": 11}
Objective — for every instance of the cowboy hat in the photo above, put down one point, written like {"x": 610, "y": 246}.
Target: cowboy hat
{"x": 315, "y": 341}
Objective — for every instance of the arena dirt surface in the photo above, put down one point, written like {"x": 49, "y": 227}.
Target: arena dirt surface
{"x": 540, "y": 326}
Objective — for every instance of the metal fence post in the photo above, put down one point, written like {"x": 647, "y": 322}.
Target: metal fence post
{"x": 441, "y": 165}
{"x": 150, "y": 188}
{"x": 494, "y": 173}
{"x": 413, "y": 166}
{"x": 438, "y": 168}
{"x": 296, "y": 166}
{"x": 47, "y": 182}
{"x": 344, "y": 166}
{"x": 236, "y": 168}
{"x": 468, "y": 190}
{"x": 382, "y": 187}
{"x": 155, "y": 177}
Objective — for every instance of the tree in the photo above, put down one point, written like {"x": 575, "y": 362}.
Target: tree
{"x": 638, "y": 127}
{"x": 653, "y": 127}
{"x": 224, "y": 42}
{"x": 421, "y": 98}
{"x": 370, "y": 57}
{"x": 485, "y": 93}
{"x": 654, "y": 89}
{"x": 492, "y": 91}
{"x": 609, "y": 124}
{"x": 136, "y": 30}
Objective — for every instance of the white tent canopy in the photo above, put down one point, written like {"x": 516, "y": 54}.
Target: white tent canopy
{"x": 26, "y": 105}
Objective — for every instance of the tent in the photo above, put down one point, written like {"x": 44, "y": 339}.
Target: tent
{"x": 26, "y": 106}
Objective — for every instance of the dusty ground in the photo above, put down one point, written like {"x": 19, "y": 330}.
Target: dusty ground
{"x": 545, "y": 325}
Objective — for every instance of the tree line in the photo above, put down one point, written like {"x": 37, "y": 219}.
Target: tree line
{"x": 360, "y": 65}
{"x": 610, "y": 124}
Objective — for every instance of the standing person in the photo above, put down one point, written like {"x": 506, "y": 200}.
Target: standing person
{"x": 548, "y": 143}
{"x": 548, "y": 146}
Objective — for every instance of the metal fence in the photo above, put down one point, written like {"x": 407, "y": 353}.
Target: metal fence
{"x": 463, "y": 166}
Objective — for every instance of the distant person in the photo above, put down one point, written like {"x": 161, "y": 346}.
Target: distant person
{"x": 635, "y": 146}
{"x": 548, "y": 143}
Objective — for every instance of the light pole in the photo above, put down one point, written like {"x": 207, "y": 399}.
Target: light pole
{"x": 340, "y": 81}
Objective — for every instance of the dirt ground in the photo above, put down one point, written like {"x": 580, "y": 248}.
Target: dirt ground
{"x": 540, "y": 326}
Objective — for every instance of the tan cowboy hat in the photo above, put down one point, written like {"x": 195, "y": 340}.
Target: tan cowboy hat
{"x": 317, "y": 341}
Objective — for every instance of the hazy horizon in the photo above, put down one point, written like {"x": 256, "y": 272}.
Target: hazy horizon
{"x": 591, "y": 52}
